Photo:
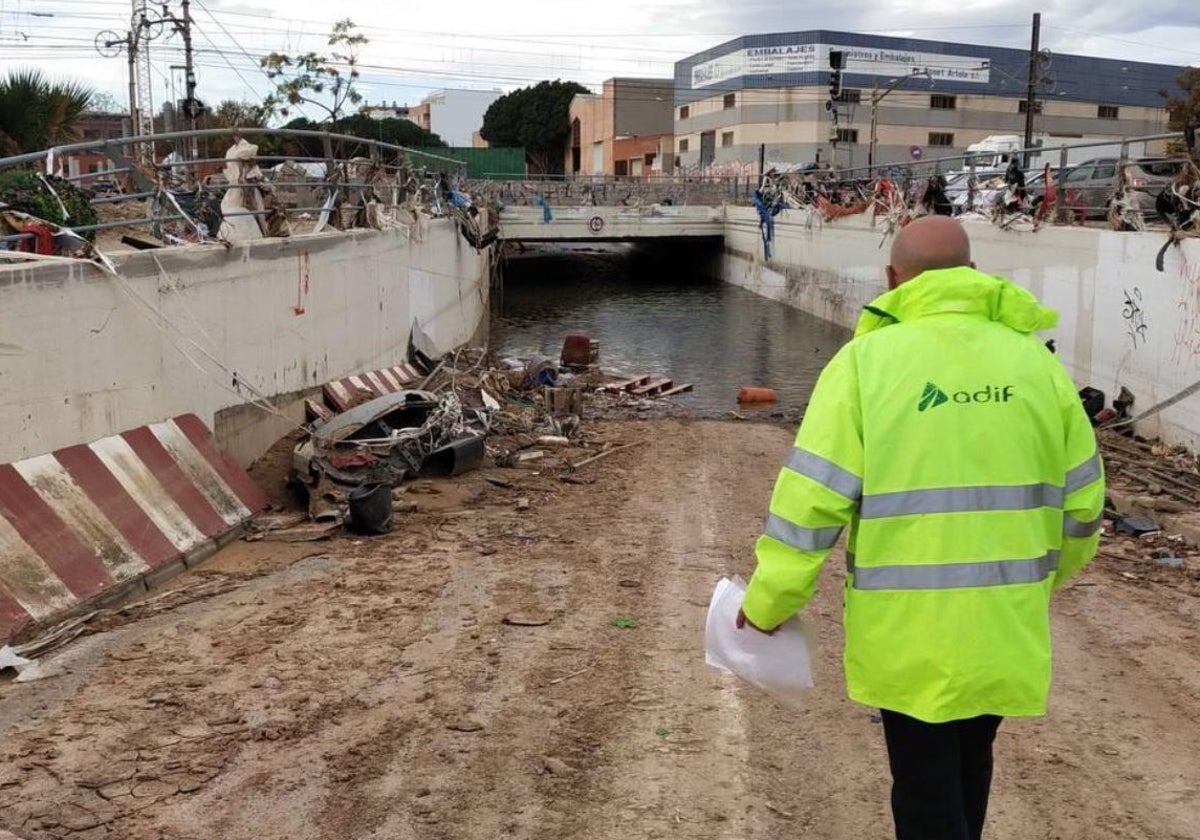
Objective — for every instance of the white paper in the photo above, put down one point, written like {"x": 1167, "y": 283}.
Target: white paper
{"x": 778, "y": 664}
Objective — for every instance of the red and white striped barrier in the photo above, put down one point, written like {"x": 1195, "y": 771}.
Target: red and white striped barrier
{"x": 125, "y": 511}
{"x": 340, "y": 394}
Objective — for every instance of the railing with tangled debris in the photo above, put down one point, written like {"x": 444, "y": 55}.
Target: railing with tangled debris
{"x": 355, "y": 182}
{"x": 1016, "y": 197}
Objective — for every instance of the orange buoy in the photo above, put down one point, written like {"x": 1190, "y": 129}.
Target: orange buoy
{"x": 756, "y": 395}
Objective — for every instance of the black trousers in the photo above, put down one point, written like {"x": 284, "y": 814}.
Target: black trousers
{"x": 941, "y": 775}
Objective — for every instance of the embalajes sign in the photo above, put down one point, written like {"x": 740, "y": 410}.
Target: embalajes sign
{"x": 863, "y": 61}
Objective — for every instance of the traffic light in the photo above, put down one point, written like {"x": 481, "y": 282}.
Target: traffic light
{"x": 836, "y": 62}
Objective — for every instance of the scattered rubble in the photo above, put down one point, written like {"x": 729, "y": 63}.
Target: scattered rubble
{"x": 467, "y": 410}
{"x": 1152, "y": 520}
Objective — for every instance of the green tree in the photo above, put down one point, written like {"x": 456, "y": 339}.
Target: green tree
{"x": 534, "y": 118}
{"x": 391, "y": 130}
{"x": 396, "y": 132}
{"x": 37, "y": 113}
{"x": 233, "y": 114}
{"x": 1184, "y": 107}
{"x": 324, "y": 81}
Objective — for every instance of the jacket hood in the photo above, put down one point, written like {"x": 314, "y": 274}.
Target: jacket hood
{"x": 960, "y": 290}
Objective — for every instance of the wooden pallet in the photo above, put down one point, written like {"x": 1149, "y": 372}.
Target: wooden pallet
{"x": 678, "y": 389}
{"x": 652, "y": 388}
{"x": 626, "y": 384}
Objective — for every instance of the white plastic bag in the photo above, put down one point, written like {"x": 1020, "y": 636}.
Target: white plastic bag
{"x": 778, "y": 664}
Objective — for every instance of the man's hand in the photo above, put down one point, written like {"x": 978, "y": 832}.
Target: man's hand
{"x": 742, "y": 621}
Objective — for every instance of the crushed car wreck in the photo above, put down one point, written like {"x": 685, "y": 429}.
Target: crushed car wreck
{"x": 385, "y": 441}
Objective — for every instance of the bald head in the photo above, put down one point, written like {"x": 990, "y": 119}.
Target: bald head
{"x": 925, "y": 244}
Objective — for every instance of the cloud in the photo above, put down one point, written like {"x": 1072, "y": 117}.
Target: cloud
{"x": 508, "y": 45}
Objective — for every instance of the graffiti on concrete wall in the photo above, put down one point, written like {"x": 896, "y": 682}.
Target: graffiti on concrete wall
{"x": 728, "y": 169}
{"x": 1135, "y": 316}
{"x": 1187, "y": 333}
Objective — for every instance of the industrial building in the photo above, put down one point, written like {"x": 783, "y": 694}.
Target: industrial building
{"x": 770, "y": 97}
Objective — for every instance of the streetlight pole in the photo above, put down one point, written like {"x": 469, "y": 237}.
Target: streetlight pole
{"x": 876, "y": 98}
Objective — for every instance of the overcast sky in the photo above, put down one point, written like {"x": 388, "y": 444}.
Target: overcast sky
{"x": 417, "y": 47}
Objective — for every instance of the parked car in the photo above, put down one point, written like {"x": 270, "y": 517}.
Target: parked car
{"x": 1089, "y": 186}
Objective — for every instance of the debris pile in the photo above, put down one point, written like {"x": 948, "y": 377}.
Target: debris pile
{"x": 466, "y": 411}
{"x": 1151, "y": 530}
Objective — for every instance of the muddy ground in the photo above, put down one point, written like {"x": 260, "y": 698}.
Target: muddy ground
{"x": 466, "y": 677}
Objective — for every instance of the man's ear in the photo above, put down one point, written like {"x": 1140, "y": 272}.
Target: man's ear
{"x": 971, "y": 263}
{"x": 891, "y": 277}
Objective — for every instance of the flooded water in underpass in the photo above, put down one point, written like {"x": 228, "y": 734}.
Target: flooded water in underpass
{"x": 663, "y": 311}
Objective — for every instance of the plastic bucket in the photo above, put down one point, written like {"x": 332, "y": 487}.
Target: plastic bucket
{"x": 370, "y": 509}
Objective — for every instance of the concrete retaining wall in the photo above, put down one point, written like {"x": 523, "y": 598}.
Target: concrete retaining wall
{"x": 84, "y": 355}
{"x": 1122, "y": 322}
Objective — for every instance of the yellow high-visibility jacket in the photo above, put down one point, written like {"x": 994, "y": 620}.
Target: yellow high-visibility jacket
{"x": 955, "y": 446}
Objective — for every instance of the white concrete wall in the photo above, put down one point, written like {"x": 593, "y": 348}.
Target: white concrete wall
{"x": 1122, "y": 323}
{"x": 606, "y": 223}
{"x": 81, "y": 358}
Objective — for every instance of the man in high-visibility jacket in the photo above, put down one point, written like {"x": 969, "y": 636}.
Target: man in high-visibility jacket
{"x": 955, "y": 446}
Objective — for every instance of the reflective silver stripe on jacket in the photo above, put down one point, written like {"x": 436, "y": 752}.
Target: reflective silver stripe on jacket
{"x": 1083, "y": 475}
{"x": 825, "y": 473}
{"x": 797, "y": 536}
{"x": 953, "y": 575}
{"x": 961, "y": 499}
{"x": 1072, "y": 527}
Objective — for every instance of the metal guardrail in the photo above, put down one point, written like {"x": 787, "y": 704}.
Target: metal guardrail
{"x": 326, "y": 137}
{"x": 845, "y": 185}
{"x": 932, "y": 166}
{"x": 411, "y": 172}
{"x": 608, "y": 190}
{"x": 1132, "y": 197}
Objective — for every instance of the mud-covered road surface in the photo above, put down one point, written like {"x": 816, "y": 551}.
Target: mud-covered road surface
{"x": 470, "y": 677}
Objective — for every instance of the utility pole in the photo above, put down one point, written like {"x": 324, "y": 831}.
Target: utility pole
{"x": 191, "y": 106}
{"x": 143, "y": 32}
{"x": 189, "y": 70}
{"x": 1031, "y": 94}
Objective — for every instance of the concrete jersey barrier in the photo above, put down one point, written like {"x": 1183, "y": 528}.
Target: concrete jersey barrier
{"x": 99, "y": 521}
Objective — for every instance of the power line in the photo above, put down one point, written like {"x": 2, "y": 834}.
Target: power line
{"x": 222, "y": 54}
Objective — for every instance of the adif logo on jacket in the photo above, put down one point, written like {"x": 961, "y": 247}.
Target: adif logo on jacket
{"x": 933, "y": 396}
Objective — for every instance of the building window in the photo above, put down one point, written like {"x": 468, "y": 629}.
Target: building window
{"x": 648, "y": 159}
{"x": 730, "y": 100}
{"x": 847, "y": 135}
{"x": 621, "y": 168}
{"x": 683, "y": 145}
{"x": 1107, "y": 112}
{"x": 726, "y": 139}
{"x": 942, "y": 139}
{"x": 942, "y": 102}
{"x": 685, "y": 112}
{"x": 850, "y": 96}
{"x": 1023, "y": 107}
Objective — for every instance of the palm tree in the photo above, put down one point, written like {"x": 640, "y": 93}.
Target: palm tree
{"x": 37, "y": 113}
